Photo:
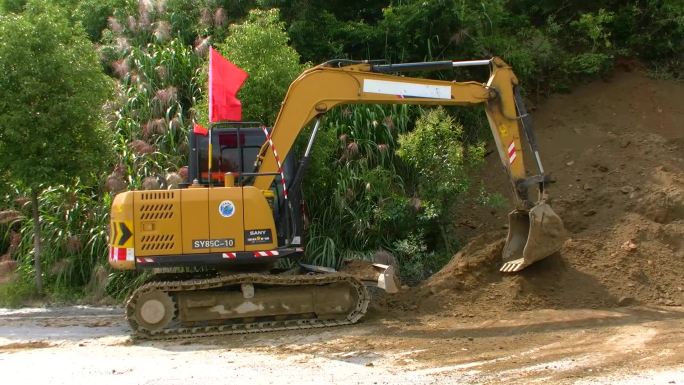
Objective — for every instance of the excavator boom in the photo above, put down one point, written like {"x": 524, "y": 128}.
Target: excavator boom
{"x": 535, "y": 230}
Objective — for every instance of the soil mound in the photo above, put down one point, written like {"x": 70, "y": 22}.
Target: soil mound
{"x": 616, "y": 151}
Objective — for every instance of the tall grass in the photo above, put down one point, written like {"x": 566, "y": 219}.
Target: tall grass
{"x": 357, "y": 192}
{"x": 361, "y": 197}
{"x": 158, "y": 84}
{"x": 157, "y": 72}
{"x": 150, "y": 114}
{"x": 74, "y": 226}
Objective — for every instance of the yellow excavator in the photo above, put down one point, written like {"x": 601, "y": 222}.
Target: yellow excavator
{"x": 215, "y": 240}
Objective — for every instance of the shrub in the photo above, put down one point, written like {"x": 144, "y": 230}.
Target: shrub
{"x": 416, "y": 261}
{"x": 17, "y": 292}
{"x": 441, "y": 157}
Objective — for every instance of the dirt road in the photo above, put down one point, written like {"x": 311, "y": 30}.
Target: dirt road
{"x": 85, "y": 345}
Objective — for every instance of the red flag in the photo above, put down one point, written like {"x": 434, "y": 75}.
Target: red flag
{"x": 199, "y": 129}
{"x": 225, "y": 79}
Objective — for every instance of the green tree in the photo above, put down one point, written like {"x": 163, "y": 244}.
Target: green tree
{"x": 260, "y": 47}
{"x": 441, "y": 156}
{"x": 92, "y": 14}
{"x": 51, "y": 96}
{"x": 12, "y": 5}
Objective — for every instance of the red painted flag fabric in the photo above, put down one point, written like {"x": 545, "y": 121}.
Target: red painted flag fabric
{"x": 200, "y": 130}
{"x": 225, "y": 79}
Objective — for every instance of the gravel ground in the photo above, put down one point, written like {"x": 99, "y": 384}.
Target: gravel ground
{"x": 86, "y": 345}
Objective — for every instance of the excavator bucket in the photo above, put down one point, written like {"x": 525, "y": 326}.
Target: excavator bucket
{"x": 532, "y": 235}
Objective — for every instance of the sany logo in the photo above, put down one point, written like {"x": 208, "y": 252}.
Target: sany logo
{"x": 226, "y": 209}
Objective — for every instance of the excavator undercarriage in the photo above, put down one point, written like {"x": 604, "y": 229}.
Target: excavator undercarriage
{"x": 244, "y": 303}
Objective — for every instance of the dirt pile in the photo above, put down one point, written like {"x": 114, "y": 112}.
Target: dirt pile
{"x": 471, "y": 284}
{"x": 616, "y": 151}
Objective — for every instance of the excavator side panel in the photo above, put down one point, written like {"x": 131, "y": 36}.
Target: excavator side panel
{"x": 121, "y": 231}
{"x": 259, "y": 226}
{"x": 195, "y": 214}
{"x": 157, "y": 222}
{"x": 226, "y": 211}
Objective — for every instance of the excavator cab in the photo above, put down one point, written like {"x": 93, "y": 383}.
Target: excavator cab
{"x": 234, "y": 150}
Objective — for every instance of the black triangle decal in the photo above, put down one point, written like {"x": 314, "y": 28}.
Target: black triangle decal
{"x": 115, "y": 235}
{"x": 125, "y": 233}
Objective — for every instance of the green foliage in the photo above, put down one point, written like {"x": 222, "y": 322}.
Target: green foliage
{"x": 260, "y": 47}
{"x": 16, "y": 292}
{"x": 416, "y": 261}
{"x": 93, "y": 14}
{"x": 157, "y": 86}
{"x": 594, "y": 27}
{"x": 75, "y": 219}
{"x": 494, "y": 200}
{"x": 441, "y": 157}
{"x": 325, "y": 29}
{"x": 51, "y": 94}
{"x": 183, "y": 15}
{"x": 366, "y": 10}
{"x": 356, "y": 197}
{"x": 74, "y": 224}
{"x": 193, "y": 20}
{"x": 360, "y": 195}
{"x": 651, "y": 29}
{"x": 437, "y": 151}
{"x": 551, "y": 45}
{"x": 334, "y": 38}
{"x": 419, "y": 30}
{"x": 12, "y": 6}
{"x": 588, "y": 64}
{"x": 51, "y": 97}
{"x": 151, "y": 115}
{"x": 120, "y": 283}
{"x": 362, "y": 198}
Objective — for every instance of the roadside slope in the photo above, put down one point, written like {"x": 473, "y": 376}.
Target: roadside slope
{"x": 616, "y": 151}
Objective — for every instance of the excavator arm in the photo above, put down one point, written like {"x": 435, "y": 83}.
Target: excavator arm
{"x": 535, "y": 231}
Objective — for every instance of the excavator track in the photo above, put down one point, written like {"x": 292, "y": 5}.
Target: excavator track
{"x": 177, "y": 330}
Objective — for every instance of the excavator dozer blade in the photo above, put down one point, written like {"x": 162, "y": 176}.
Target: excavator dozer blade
{"x": 532, "y": 235}
{"x": 373, "y": 274}
{"x": 387, "y": 279}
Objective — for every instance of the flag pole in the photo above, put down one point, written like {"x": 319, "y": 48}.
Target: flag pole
{"x": 211, "y": 153}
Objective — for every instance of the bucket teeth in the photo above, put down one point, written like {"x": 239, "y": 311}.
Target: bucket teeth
{"x": 513, "y": 266}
